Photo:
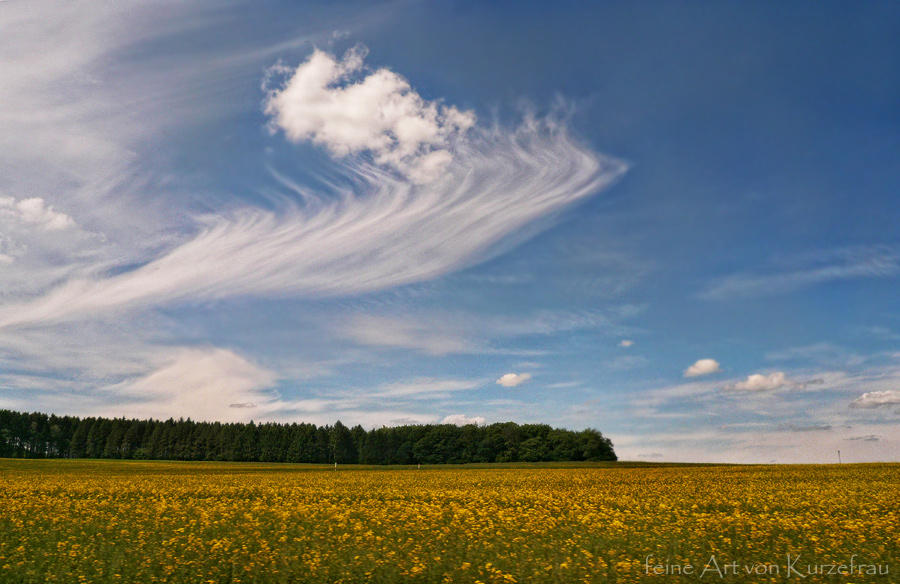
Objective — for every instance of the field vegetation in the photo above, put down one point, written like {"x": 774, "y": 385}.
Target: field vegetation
{"x": 136, "y": 521}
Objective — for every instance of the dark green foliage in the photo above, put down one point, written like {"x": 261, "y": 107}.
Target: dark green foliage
{"x": 34, "y": 435}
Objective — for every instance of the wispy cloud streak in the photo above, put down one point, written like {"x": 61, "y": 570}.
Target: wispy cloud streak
{"x": 379, "y": 232}
{"x": 841, "y": 264}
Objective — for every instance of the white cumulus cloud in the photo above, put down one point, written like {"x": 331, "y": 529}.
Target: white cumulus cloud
{"x": 199, "y": 383}
{"x": 702, "y": 367}
{"x": 626, "y": 343}
{"x": 877, "y": 399}
{"x": 462, "y": 420}
{"x": 759, "y": 382}
{"x": 513, "y": 379}
{"x": 332, "y": 102}
{"x": 34, "y": 211}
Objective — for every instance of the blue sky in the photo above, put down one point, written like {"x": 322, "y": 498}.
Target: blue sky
{"x": 675, "y": 222}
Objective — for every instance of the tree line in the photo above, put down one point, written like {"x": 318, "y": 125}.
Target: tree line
{"x": 36, "y": 435}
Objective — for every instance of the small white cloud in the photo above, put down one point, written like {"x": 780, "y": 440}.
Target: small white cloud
{"x": 513, "y": 379}
{"x": 462, "y": 420}
{"x": 702, "y": 367}
{"x": 626, "y": 343}
{"x": 35, "y": 211}
{"x": 877, "y": 399}
{"x": 329, "y": 102}
{"x": 758, "y": 382}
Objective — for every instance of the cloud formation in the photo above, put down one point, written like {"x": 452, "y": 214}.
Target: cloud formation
{"x": 463, "y": 420}
{"x": 513, "y": 379}
{"x": 626, "y": 343}
{"x": 329, "y": 102}
{"x": 34, "y": 211}
{"x": 702, "y": 367}
{"x": 877, "y": 399}
{"x": 379, "y": 230}
{"x": 423, "y": 388}
{"x": 199, "y": 383}
{"x": 840, "y": 264}
{"x": 382, "y": 331}
{"x": 441, "y": 332}
{"x": 759, "y": 382}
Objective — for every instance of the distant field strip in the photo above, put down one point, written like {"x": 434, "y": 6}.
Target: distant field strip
{"x": 111, "y": 521}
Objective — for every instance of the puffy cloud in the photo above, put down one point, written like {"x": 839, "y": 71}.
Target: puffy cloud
{"x": 200, "y": 383}
{"x": 626, "y": 343}
{"x": 702, "y": 367}
{"x": 34, "y": 211}
{"x": 462, "y": 420}
{"x": 513, "y": 379}
{"x": 877, "y": 399}
{"x": 758, "y": 382}
{"x": 330, "y": 102}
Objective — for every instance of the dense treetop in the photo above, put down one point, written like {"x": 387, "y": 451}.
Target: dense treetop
{"x": 36, "y": 435}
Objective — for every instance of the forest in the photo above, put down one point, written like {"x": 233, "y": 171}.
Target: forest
{"x": 37, "y": 435}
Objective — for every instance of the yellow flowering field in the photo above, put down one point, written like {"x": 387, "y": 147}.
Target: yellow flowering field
{"x": 125, "y": 521}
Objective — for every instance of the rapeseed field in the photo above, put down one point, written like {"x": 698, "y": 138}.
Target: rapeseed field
{"x": 92, "y": 521}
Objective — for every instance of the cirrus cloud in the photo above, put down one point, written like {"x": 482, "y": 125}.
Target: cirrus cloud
{"x": 379, "y": 230}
